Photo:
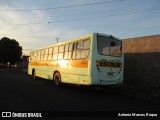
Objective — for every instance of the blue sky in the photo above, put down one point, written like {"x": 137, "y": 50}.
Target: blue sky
{"x": 112, "y": 19}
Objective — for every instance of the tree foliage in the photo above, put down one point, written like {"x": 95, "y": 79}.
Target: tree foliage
{"x": 10, "y": 51}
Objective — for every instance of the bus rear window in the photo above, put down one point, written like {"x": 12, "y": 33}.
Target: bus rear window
{"x": 109, "y": 46}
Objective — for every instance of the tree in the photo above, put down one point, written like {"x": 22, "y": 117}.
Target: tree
{"x": 10, "y": 51}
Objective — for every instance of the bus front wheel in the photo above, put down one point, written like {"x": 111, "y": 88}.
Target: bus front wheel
{"x": 57, "y": 79}
{"x": 34, "y": 74}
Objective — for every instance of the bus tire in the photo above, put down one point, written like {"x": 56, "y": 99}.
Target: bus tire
{"x": 57, "y": 78}
{"x": 34, "y": 74}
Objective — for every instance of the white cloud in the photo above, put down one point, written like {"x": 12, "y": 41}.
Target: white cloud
{"x": 32, "y": 35}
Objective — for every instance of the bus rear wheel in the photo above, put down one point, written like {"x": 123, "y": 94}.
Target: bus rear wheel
{"x": 57, "y": 79}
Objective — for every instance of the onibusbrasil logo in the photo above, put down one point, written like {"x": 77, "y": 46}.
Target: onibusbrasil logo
{"x": 21, "y": 114}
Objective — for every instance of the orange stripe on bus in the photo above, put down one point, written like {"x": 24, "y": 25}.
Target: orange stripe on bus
{"x": 59, "y": 63}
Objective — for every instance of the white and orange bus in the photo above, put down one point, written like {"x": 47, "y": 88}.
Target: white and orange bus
{"x": 93, "y": 59}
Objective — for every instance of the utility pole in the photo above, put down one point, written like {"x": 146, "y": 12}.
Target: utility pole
{"x": 57, "y": 39}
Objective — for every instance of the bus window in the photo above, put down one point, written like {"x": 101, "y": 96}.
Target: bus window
{"x": 55, "y": 53}
{"x": 109, "y": 46}
{"x": 46, "y": 54}
{"x": 31, "y": 56}
{"x": 66, "y": 51}
{"x": 61, "y": 51}
{"x": 35, "y": 56}
{"x": 74, "y": 50}
{"x": 42, "y": 54}
{"x": 86, "y": 49}
{"x": 39, "y": 55}
{"x": 50, "y": 53}
{"x": 70, "y": 50}
{"x": 86, "y": 44}
{"x": 79, "y": 48}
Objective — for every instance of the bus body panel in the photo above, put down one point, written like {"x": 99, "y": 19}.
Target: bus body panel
{"x": 89, "y": 71}
{"x": 103, "y": 75}
{"x": 71, "y": 71}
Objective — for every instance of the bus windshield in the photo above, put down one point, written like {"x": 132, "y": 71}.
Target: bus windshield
{"x": 109, "y": 46}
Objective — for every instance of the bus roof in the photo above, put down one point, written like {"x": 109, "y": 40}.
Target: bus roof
{"x": 74, "y": 39}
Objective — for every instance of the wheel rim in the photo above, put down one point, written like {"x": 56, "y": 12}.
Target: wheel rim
{"x": 57, "y": 79}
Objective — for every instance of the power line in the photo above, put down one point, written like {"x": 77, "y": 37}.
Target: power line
{"x": 70, "y": 6}
{"x": 26, "y": 23}
{"x": 104, "y": 16}
{"x": 86, "y": 13}
{"x": 28, "y": 49}
{"x": 96, "y": 17}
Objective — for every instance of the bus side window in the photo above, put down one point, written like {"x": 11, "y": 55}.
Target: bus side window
{"x": 86, "y": 44}
{"x": 35, "y": 56}
{"x": 79, "y": 48}
{"x": 31, "y": 56}
{"x": 70, "y": 50}
{"x": 86, "y": 49}
{"x": 74, "y": 50}
{"x": 46, "y": 54}
{"x": 61, "y": 52}
{"x": 50, "y": 53}
{"x": 55, "y": 53}
{"x": 66, "y": 51}
{"x": 39, "y": 55}
{"x": 42, "y": 54}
